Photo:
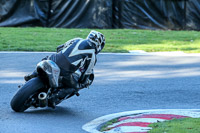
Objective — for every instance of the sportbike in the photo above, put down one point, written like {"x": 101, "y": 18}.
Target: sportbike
{"x": 41, "y": 91}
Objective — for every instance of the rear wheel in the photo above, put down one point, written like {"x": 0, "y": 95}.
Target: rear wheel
{"x": 18, "y": 103}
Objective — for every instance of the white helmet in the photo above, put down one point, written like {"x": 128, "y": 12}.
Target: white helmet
{"x": 98, "y": 39}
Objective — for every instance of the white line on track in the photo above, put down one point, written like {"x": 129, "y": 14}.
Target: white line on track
{"x": 127, "y": 129}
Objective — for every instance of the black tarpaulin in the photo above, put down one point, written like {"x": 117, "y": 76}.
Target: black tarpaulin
{"x": 193, "y": 15}
{"x": 151, "y": 14}
{"x": 19, "y": 13}
{"x": 81, "y": 14}
{"x": 134, "y": 14}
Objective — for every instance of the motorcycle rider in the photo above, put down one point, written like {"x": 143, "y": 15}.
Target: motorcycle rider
{"x": 76, "y": 59}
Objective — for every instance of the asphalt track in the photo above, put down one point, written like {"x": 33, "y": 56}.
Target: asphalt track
{"x": 123, "y": 82}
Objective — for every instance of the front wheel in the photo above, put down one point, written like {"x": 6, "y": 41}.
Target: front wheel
{"x": 18, "y": 103}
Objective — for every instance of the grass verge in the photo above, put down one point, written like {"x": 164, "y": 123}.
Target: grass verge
{"x": 117, "y": 40}
{"x": 105, "y": 126}
{"x": 185, "y": 125}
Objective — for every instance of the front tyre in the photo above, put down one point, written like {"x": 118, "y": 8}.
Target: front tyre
{"x": 22, "y": 96}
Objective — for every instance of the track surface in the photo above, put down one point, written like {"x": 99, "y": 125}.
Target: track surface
{"x": 122, "y": 83}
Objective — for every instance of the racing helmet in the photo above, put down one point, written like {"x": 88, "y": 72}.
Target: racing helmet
{"x": 98, "y": 39}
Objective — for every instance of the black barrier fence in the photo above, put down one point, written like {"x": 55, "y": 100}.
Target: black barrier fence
{"x": 135, "y": 14}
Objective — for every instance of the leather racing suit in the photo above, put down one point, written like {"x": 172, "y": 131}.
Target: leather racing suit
{"x": 76, "y": 59}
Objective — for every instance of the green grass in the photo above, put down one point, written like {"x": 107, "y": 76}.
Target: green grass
{"x": 105, "y": 126}
{"x": 117, "y": 40}
{"x": 185, "y": 125}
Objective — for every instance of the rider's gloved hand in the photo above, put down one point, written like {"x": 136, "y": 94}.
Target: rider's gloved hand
{"x": 59, "y": 48}
{"x": 87, "y": 81}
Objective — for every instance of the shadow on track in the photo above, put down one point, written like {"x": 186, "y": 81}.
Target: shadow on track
{"x": 58, "y": 111}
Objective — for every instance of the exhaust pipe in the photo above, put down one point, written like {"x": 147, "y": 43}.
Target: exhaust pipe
{"x": 42, "y": 99}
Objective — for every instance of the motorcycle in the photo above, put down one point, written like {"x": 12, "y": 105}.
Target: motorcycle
{"x": 42, "y": 91}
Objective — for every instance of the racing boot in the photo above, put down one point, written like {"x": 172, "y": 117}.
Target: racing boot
{"x": 30, "y": 76}
{"x": 59, "y": 96}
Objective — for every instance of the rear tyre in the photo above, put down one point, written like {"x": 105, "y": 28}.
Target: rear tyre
{"x": 22, "y": 96}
